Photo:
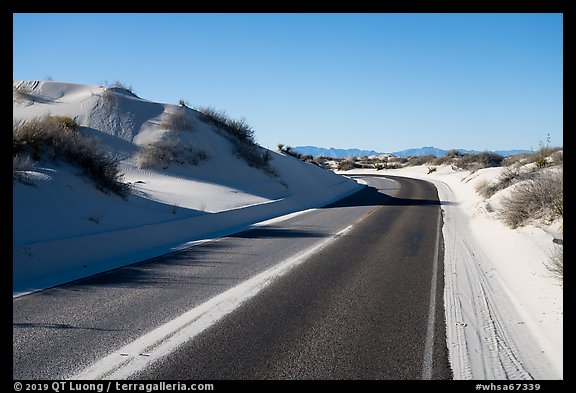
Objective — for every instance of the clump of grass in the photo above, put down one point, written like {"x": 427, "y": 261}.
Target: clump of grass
{"x": 177, "y": 121}
{"x": 485, "y": 188}
{"x": 183, "y": 103}
{"x": 450, "y": 157}
{"x": 290, "y": 151}
{"x": 241, "y": 134}
{"x": 23, "y": 94}
{"x": 255, "y": 156}
{"x": 166, "y": 152}
{"x": 110, "y": 99}
{"x": 21, "y": 164}
{"x": 346, "y": 165}
{"x": 539, "y": 198}
{"x": 557, "y": 157}
{"x": 556, "y": 263}
{"x": 57, "y": 138}
{"x": 517, "y": 159}
{"x": 476, "y": 161}
{"x": 508, "y": 177}
{"x": 306, "y": 158}
{"x": 420, "y": 160}
{"x": 122, "y": 86}
{"x": 237, "y": 128}
{"x": 396, "y": 162}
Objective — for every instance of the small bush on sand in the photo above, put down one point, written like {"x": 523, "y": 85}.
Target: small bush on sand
{"x": 177, "y": 121}
{"x": 540, "y": 198}
{"x": 476, "y": 161}
{"x": 421, "y": 160}
{"x": 346, "y": 165}
{"x": 556, "y": 262}
{"x": 57, "y": 137}
{"x": 22, "y": 94}
{"x": 236, "y": 128}
{"x": 123, "y": 86}
{"x": 170, "y": 151}
{"x": 509, "y": 176}
{"x": 241, "y": 134}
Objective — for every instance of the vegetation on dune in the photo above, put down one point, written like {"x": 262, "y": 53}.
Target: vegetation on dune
{"x": 170, "y": 148}
{"x": 55, "y": 138}
{"x": 241, "y": 134}
{"x": 533, "y": 182}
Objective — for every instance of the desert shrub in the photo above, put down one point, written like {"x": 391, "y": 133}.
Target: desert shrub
{"x": 478, "y": 161}
{"x": 241, "y": 134}
{"x": 346, "y": 165}
{"x": 110, "y": 99}
{"x": 23, "y": 94}
{"x": 451, "y": 157}
{"x": 466, "y": 162}
{"x": 440, "y": 161}
{"x": 236, "y": 128}
{"x": 539, "y": 198}
{"x": 255, "y": 156}
{"x": 123, "y": 86}
{"x": 176, "y": 121}
{"x": 291, "y": 152}
{"x": 421, "y": 160}
{"x": 517, "y": 159}
{"x": 509, "y": 176}
{"x": 541, "y": 161}
{"x": 484, "y": 188}
{"x": 557, "y": 157}
{"x": 22, "y": 162}
{"x": 543, "y": 156}
{"x": 556, "y": 263}
{"x": 453, "y": 153}
{"x": 321, "y": 162}
{"x": 57, "y": 137}
{"x": 397, "y": 161}
{"x": 432, "y": 169}
{"x": 169, "y": 151}
{"x": 546, "y": 156}
{"x": 66, "y": 121}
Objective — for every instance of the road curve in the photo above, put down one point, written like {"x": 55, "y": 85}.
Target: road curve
{"x": 359, "y": 309}
{"x": 356, "y": 310}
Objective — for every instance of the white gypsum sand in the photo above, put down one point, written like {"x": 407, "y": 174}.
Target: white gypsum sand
{"x": 504, "y": 308}
{"x": 65, "y": 228}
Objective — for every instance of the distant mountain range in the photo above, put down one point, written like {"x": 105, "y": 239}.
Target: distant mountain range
{"x": 426, "y": 150}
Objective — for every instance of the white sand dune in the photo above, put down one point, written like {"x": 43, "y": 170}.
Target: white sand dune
{"x": 65, "y": 229}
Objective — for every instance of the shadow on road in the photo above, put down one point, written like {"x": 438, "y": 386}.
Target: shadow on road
{"x": 269, "y": 232}
{"x": 370, "y": 196}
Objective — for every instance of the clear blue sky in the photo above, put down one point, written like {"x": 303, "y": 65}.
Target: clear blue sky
{"x": 384, "y": 82}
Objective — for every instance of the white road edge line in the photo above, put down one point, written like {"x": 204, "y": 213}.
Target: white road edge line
{"x": 427, "y": 365}
{"x": 163, "y": 340}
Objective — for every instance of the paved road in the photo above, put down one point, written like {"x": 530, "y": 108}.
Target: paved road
{"x": 359, "y": 309}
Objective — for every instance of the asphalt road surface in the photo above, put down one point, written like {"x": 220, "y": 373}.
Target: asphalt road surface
{"x": 368, "y": 305}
